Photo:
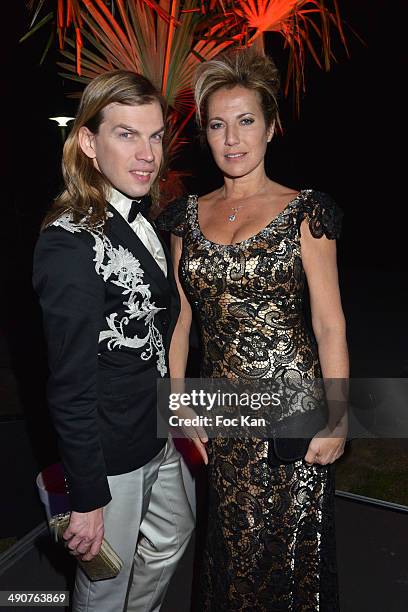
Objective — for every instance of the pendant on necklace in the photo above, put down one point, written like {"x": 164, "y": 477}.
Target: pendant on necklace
{"x": 233, "y": 216}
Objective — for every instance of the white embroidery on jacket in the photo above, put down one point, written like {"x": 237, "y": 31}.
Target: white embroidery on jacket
{"x": 120, "y": 267}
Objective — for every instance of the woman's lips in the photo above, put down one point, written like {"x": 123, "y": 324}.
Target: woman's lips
{"x": 234, "y": 156}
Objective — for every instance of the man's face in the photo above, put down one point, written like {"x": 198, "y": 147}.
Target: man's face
{"x": 128, "y": 147}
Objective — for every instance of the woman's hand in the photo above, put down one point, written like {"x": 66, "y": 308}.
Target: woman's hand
{"x": 326, "y": 446}
{"x": 195, "y": 433}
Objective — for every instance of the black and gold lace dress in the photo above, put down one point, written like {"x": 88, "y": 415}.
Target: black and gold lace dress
{"x": 270, "y": 542}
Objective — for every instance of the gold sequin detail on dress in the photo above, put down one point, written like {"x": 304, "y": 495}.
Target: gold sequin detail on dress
{"x": 270, "y": 538}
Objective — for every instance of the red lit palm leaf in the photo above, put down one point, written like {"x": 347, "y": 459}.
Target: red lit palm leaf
{"x": 159, "y": 46}
{"x": 185, "y": 55}
{"x": 66, "y": 14}
{"x": 300, "y": 22}
{"x": 265, "y": 15}
{"x": 166, "y": 39}
{"x": 156, "y": 37}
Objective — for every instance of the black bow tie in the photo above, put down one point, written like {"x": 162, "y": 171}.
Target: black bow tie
{"x": 139, "y": 206}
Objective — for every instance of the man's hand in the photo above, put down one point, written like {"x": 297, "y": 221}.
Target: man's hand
{"x": 84, "y": 533}
{"x": 195, "y": 433}
{"x": 326, "y": 446}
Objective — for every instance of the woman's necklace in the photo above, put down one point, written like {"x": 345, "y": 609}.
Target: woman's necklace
{"x": 233, "y": 215}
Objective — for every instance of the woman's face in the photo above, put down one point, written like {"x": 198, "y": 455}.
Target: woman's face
{"x": 236, "y": 130}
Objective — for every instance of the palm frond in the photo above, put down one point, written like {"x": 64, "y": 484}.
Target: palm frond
{"x": 37, "y": 26}
{"x": 36, "y": 11}
{"x": 299, "y": 22}
{"x": 158, "y": 43}
{"x": 165, "y": 40}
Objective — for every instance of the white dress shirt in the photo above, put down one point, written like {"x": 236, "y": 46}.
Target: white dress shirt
{"x": 140, "y": 226}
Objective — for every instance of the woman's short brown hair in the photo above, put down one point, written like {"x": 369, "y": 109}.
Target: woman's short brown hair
{"x": 245, "y": 67}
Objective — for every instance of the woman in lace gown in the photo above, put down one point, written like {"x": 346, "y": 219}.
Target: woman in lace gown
{"x": 244, "y": 254}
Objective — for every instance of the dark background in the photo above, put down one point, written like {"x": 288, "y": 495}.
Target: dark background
{"x": 347, "y": 142}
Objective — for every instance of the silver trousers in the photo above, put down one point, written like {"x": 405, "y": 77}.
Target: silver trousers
{"x": 148, "y": 523}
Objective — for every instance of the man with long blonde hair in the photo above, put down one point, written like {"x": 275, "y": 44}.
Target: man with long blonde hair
{"x": 110, "y": 305}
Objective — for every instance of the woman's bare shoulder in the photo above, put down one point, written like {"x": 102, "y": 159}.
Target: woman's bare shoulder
{"x": 281, "y": 191}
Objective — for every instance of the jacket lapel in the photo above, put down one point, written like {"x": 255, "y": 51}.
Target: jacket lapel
{"x": 175, "y": 297}
{"x": 125, "y": 235}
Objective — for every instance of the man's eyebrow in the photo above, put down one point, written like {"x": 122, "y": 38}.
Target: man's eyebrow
{"x": 238, "y": 116}
{"x": 122, "y": 126}
{"x": 159, "y": 131}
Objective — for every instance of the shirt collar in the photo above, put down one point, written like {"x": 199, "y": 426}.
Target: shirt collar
{"x": 120, "y": 202}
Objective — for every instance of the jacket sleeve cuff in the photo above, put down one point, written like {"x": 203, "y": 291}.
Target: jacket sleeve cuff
{"x": 84, "y": 498}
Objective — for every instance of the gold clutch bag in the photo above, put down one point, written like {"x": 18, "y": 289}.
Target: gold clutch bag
{"x": 105, "y": 565}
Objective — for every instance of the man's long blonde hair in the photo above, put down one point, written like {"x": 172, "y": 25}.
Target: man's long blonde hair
{"x": 85, "y": 187}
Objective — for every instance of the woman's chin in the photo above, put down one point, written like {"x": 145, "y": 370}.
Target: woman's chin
{"x": 235, "y": 173}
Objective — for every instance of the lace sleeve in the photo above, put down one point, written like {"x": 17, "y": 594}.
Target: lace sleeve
{"x": 323, "y": 215}
{"x": 173, "y": 218}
